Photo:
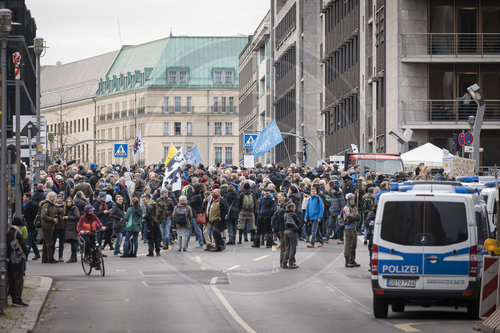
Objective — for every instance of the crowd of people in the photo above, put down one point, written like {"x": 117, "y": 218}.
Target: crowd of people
{"x": 269, "y": 205}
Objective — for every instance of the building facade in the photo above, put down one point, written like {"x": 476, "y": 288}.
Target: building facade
{"x": 179, "y": 91}
{"x": 255, "y": 84}
{"x": 68, "y": 102}
{"x": 296, "y": 86}
{"x": 415, "y": 60}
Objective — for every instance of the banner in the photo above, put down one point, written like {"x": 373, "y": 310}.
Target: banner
{"x": 462, "y": 167}
{"x": 173, "y": 171}
{"x": 138, "y": 145}
{"x": 193, "y": 156}
{"x": 267, "y": 139}
{"x": 447, "y": 160}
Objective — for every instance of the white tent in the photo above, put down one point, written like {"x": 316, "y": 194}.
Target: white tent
{"x": 429, "y": 154}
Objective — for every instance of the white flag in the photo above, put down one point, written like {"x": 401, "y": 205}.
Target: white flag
{"x": 173, "y": 172}
{"x": 138, "y": 145}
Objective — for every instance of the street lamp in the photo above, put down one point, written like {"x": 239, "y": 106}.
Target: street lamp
{"x": 5, "y": 28}
{"x": 38, "y": 47}
{"x": 403, "y": 139}
{"x": 476, "y": 122}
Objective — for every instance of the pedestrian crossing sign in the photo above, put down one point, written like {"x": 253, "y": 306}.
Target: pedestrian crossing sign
{"x": 249, "y": 139}
{"x": 121, "y": 150}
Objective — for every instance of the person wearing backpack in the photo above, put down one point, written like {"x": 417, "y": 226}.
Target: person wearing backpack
{"x": 267, "y": 207}
{"x": 133, "y": 225}
{"x": 217, "y": 210}
{"x": 16, "y": 252}
{"x": 366, "y": 208}
{"x": 336, "y": 206}
{"x": 246, "y": 207}
{"x": 351, "y": 216}
{"x": 183, "y": 215}
{"x": 292, "y": 227}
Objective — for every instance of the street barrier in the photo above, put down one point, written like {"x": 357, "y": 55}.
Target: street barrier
{"x": 489, "y": 287}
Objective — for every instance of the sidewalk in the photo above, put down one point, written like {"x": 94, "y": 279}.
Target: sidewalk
{"x": 23, "y": 319}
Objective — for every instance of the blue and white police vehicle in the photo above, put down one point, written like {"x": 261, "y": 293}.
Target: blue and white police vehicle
{"x": 428, "y": 247}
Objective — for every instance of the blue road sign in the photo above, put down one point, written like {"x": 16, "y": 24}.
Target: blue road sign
{"x": 469, "y": 138}
{"x": 248, "y": 141}
{"x": 121, "y": 150}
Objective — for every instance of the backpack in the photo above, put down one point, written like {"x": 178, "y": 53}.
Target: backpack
{"x": 181, "y": 216}
{"x": 184, "y": 191}
{"x": 247, "y": 203}
{"x": 16, "y": 254}
{"x": 290, "y": 223}
{"x": 37, "y": 222}
{"x": 367, "y": 206}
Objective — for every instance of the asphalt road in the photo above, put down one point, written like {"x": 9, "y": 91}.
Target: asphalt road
{"x": 239, "y": 290}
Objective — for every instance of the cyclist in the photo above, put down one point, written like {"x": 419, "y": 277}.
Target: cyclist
{"x": 87, "y": 227}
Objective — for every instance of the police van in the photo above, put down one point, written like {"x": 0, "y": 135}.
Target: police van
{"x": 427, "y": 248}
{"x": 489, "y": 195}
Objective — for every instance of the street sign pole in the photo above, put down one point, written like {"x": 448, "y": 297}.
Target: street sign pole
{"x": 31, "y": 162}
{"x": 18, "y": 187}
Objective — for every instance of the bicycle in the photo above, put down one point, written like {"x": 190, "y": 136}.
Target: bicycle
{"x": 95, "y": 258}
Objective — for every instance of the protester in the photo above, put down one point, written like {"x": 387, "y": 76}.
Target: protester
{"x": 49, "y": 220}
{"x": 133, "y": 220}
{"x": 16, "y": 252}
{"x": 71, "y": 217}
{"x": 182, "y": 218}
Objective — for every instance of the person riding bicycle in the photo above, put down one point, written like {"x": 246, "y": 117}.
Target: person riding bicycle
{"x": 87, "y": 227}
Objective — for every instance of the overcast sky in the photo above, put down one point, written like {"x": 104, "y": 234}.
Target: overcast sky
{"x": 79, "y": 29}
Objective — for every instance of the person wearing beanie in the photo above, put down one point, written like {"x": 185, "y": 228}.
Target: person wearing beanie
{"x": 102, "y": 211}
{"x": 15, "y": 271}
{"x": 337, "y": 203}
{"x": 247, "y": 202}
{"x": 182, "y": 217}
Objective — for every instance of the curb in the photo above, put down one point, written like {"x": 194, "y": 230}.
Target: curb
{"x": 34, "y": 309}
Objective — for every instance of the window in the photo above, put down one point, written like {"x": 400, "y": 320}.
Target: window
{"x": 165, "y": 152}
{"x": 218, "y": 155}
{"x": 218, "y": 78}
{"x": 189, "y": 129}
{"x": 228, "y": 77}
{"x": 124, "y": 132}
{"x": 165, "y": 104}
{"x": 177, "y": 105}
{"x": 229, "y": 128}
{"x": 183, "y": 77}
{"x": 189, "y": 105}
{"x": 131, "y": 132}
{"x": 218, "y": 128}
{"x": 117, "y": 132}
{"x": 229, "y": 155}
{"x": 216, "y": 104}
{"x": 172, "y": 77}
{"x": 223, "y": 104}
{"x": 165, "y": 129}
{"x": 177, "y": 129}
{"x": 231, "y": 104}
{"x": 87, "y": 124}
{"x": 79, "y": 125}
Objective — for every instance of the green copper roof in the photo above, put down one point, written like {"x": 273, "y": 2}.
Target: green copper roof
{"x": 199, "y": 57}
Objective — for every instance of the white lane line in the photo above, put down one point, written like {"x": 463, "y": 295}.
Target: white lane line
{"x": 231, "y": 268}
{"x": 229, "y": 308}
{"x": 369, "y": 310}
{"x": 145, "y": 283}
{"x": 260, "y": 258}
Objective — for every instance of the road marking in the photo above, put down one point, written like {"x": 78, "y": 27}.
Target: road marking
{"x": 260, "y": 258}
{"x": 145, "y": 283}
{"x": 231, "y": 268}
{"x": 204, "y": 268}
{"x": 229, "y": 308}
{"x": 350, "y": 298}
{"x": 407, "y": 327}
{"x": 273, "y": 248}
{"x": 120, "y": 270}
{"x": 197, "y": 259}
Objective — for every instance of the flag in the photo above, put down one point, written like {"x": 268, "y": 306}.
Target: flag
{"x": 171, "y": 153}
{"x": 193, "y": 156}
{"x": 173, "y": 171}
{"x": 267, "y": 139}
{"x": 138, "y": 145}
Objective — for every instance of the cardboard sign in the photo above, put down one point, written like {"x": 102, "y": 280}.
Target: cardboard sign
{"x": 462, "y": 167}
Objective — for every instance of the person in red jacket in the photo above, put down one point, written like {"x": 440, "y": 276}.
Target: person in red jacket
{"x": 87, "y": 227}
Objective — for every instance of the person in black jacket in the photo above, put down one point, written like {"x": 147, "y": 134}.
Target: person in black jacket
{"x": 232, "y": 221}
{"x": 15, "y": 271}
{"x": 117, "y": 218}
{"x": 267, "y": 206}
{"x": 196, "y": 204}
{"x": 30, "y": 211}
{"x": 292, "y": 226}
{"x": 102, "y": 210}
{"x": 71, "y": 216}
{"x": 154, "y": 232}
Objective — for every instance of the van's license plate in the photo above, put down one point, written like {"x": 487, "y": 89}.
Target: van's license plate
{"x": 402, "y": 283}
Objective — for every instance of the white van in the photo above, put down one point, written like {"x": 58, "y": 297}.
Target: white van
{"x": 488, "y": 194}
{"x": 427, "y": 249}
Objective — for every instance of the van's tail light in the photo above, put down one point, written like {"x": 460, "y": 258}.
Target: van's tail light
{"x": 374, "y": 259}
{"x": 473, "y": 261}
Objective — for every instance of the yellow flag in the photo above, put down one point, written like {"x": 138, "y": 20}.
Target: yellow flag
{"x": 171, "y": 153}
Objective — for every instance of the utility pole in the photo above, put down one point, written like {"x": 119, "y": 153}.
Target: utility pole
{"x": 5, "y": 28}
{"x": 16, "y": 57}
{"x": 38, "y": 48}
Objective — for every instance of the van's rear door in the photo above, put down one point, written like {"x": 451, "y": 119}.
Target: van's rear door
{"x": 446, "y": 244}
{"x": 400, "y": 253}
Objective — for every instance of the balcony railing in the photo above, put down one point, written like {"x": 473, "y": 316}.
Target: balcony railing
{"x": 455, "y": 111}
{"x": 450, "y": 44}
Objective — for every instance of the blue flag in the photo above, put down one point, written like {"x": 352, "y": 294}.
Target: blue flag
{"x": 267, "y": 139}
{"x": 193, "y": 156}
